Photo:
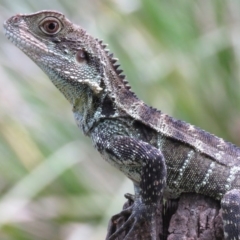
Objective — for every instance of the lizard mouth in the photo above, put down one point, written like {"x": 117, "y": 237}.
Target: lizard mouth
{"x": 15, "y": 27}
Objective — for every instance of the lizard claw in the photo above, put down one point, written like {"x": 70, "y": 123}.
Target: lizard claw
{"x": 135, "y": 217}
{"x": 118, "y": 220}
{"x": 124, "y": 213}
{"x": 130, "y": 197}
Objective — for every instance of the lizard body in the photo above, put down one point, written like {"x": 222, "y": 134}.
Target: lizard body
{"x": 161, "y": 155}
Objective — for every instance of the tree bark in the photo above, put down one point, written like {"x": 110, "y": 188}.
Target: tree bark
{"x": 191, "y": 217}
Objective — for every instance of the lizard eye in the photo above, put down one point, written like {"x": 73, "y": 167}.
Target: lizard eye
{"x": 50, "y": 25}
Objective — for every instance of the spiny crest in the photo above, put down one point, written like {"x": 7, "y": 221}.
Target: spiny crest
{"x": 115, "y": 64}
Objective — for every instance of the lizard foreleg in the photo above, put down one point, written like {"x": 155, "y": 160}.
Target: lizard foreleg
{"x": 132, "y": 152}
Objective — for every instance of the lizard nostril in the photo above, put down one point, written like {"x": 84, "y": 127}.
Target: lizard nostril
{"x": 16, "y": 18}
{"x": 14, "y": 21}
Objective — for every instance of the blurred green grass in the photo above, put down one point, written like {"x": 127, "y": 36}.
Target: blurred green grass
{"x": 182, "y": 57}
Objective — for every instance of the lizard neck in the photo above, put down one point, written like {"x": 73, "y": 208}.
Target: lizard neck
{"x": 84, "y": 107}
{"x": 84, "y": 102}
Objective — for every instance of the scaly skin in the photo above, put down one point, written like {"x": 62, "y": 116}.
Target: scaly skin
{"x": 159, "y": 154}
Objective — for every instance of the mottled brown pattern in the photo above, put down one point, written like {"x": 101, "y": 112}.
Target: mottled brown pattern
{"x": 161, "y": 155}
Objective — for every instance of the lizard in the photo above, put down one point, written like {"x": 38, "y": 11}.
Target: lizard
{"x": 162, "y": 156}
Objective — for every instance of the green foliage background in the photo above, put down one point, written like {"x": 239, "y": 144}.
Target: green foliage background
{"x": 182, "y": 57}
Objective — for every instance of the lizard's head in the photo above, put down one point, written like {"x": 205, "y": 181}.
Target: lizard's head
{"x": 68, "y": 55}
